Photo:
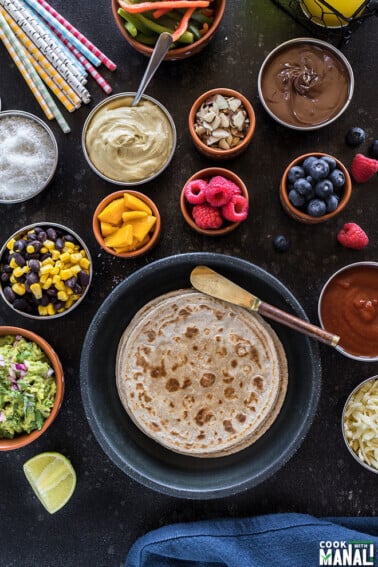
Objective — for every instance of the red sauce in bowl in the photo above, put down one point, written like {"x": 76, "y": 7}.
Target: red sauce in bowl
{"x": 349, "y": 308}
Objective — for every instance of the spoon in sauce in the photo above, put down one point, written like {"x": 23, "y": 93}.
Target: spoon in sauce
{"x": 162, "y": 46}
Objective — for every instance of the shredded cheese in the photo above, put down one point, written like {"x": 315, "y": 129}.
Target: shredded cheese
{"x": 361, "y": 423}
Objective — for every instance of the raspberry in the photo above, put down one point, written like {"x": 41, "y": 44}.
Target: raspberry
{"x": 195, "y": 191}
{"x": 363, "y": 168}
{"x": 219, "y": 191}
{"x": 206, "y": 216}
{"x": 236, "y": 209}
{"x": 352, "y": 236}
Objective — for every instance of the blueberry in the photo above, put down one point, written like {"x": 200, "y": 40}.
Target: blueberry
{"x": 373, "y": 149}
{"x": 319, "y": 169}
{"x": 303, "y": 187}
{"x": 355, "y": 137}
{"x": 337, "y": 177}
{"x": 316, "y": 208}
{"x": 295, "y": 173}
{"x": 295, "y": 198}
{"x": 307, "y": 162}
{"x": 323, "y": 188}
{"x": 331, "y": 162}
{"x": 310, "y": 180}
{"x": 281, "y": 243}
{"x": 332, "y": 202}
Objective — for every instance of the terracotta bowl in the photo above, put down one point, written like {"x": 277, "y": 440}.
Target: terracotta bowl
{"x": 217, "y": 153}
{"x": 360, "y": 392}
{"x": 186, "y": 207}
{"x": 144, "y": 248}
{"x": 65, "y": 231}
{"x": 180, "y": 52}
{"x": 302, "y": 216}
{"x": 27, "y": 438}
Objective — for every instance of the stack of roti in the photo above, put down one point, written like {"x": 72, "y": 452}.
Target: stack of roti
{"x": 200, "y": 376}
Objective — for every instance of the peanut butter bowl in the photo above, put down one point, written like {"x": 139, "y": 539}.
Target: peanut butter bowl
{"x": 200, "y": 376}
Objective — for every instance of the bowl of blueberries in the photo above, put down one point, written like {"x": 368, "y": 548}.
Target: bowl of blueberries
{"x": 45, "y": 270}
{"x": 315, "y": 187}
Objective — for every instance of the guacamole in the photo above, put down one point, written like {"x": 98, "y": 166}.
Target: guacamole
{"x": 27, "y": 386}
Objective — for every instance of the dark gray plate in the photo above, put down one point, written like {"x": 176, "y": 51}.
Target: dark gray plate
{"x": 138, "y": 455}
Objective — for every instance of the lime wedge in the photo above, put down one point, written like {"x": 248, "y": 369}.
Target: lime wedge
{"x": 52, "y": 478}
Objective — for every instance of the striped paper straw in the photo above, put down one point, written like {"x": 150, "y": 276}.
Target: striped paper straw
{"x": 14, "y": 50}
{"x": 67, "y": 34}
{"x": 75, "y": 90}
{"x": 50, "y": 83}
{"x": 27, "y": 22}
{"x": 91, "y": 70}
{"x": 75, "y": 32}
{"x": 46, "y": 65}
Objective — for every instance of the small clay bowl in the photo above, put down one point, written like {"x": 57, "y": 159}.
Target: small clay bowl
{"x": 63, "y": 230}
{"x": 177, "y": 53}
{"x": 368, "y": 383}
{"x": 144, "y": 248}
{"x": 211, "y": 151}
{"x": 186, "y": 207}
{"x": 354, "y": 283}
{"x": 25, "y": 439}
{"x": 301, "y": 216}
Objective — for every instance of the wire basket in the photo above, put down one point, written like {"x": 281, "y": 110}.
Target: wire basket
{"x": 324, "y": 20}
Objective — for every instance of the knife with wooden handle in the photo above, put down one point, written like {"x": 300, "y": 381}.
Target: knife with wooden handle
{"x": 210, "y": 282}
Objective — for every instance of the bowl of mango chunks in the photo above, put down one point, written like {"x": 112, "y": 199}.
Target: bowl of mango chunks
{"x": 126, "y": 224}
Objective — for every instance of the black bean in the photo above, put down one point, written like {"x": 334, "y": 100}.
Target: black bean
{"x": 83, "y": 278}
{"x": 59, "y": 244}
{"x": 32, "y": 236}
{"x": 77, "y": 289}
{"x": 19, "y": 259}
{"x": 4, "y": 277}
{"x": 7, "y": 269}
{"x": 45, "y": 300}
{"x": 37, "y": 229}
{"x": 42, "y": 236}
{"x": 34, "y": 265}
{"x": 19, "y": 245}
{"x": 45, "y": 255}
{"x": 71, "y": 282}
{"x": 32, "y": 256}
{"x": 58, "y": 305}
{"x": 32, "y": 277}
{"x": 9, "y": 294}
{"x": 69, "y": 238}
{"x": 52, "y": 292}
{"x": 22, "y": 305}
{"x": 51, "y": 233}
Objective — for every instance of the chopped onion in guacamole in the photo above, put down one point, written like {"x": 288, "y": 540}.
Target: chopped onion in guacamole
{"x": 27, "y": 386}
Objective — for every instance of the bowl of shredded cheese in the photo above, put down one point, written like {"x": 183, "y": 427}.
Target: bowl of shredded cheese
{"x": 360, "y": 423}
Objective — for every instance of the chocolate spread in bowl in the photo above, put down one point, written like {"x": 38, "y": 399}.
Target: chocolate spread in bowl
{"x": 305, "y": 84}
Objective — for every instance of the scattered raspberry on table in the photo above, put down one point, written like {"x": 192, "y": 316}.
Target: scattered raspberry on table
{"x": 353, "y": 236}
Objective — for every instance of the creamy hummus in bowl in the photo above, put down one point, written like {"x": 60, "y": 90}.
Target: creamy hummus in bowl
{"x": 129, "y": 145}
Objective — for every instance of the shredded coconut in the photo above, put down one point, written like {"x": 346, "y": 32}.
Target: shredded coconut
{"x": 27, "y": 157}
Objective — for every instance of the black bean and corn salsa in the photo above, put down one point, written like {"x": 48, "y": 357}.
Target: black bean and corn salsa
{"x": 44, "y": 272}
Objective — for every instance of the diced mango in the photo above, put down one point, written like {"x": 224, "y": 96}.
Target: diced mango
{"x": 142, "y": 227}
{"x": 133, "y": 215}
{"x": 112, "y": 213}
{"x": 121, "y": 237}
{"x": 107, "y": 228}
{"x": 134, "y": 204}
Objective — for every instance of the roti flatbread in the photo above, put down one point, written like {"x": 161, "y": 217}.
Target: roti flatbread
{"x": 200, "y": 376}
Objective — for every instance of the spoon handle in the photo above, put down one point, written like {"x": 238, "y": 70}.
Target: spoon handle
{"x": 298, "y": 324}
{"x": 161, "y": 47}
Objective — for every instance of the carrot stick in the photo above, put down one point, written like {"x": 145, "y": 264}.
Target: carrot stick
{"x": 158, "y": 13}
{"x": 147, "y": 6}
{"x": 183, "y": 25}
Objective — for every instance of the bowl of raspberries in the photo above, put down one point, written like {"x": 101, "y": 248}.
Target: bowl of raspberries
{"x": 214, "y": 201}
{"x": 315, "y": 187}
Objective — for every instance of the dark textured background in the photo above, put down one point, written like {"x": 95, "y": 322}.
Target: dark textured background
{"x": 108, "y": 510}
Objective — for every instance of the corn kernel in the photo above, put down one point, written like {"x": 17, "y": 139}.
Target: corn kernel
{"x": 68, "y": 290}
{"x": 13, "y": 264}
{"x": 75, "y": 296}
{"x": 84, "y": 263}
{"x": 18, "y": 272}
{"x": 54, "y": 271}
{"x": 49, "y": 244}
{"x": 75, "y": 269}
{"x": 19, "y": 288}
{"x": 62, "y": 296}
{"x": 44, "y": 250}
{"x": 66, "y": 274}
{"x": 68, "y": 304}
{"x": 51, "y": 309}
{"x": 60, "y": 285}
{"x": 70, "y": 245}
{"x": 12, "y": 279}
{"x": 30, "y": 249}
{"x": 76, "y": 257}
{"x": 45, "y": 269}
{"x": 42, "y": 310}
{"x": 10, "y": 244}
{"x": 36, "y": 290}
{"x": 55, "y": 254}
{"x": 47, "y": 261}
{"x": 65, "y": 257}
{"x": 47, "y": 284}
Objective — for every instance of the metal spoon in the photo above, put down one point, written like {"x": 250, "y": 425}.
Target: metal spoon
{"x": 161, "y": 48}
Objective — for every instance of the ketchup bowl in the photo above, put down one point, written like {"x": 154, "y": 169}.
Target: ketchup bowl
{"x": 348, "y": 307}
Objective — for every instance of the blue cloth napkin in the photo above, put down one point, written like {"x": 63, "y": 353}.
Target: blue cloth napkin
{"x": 275, "y": 540}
